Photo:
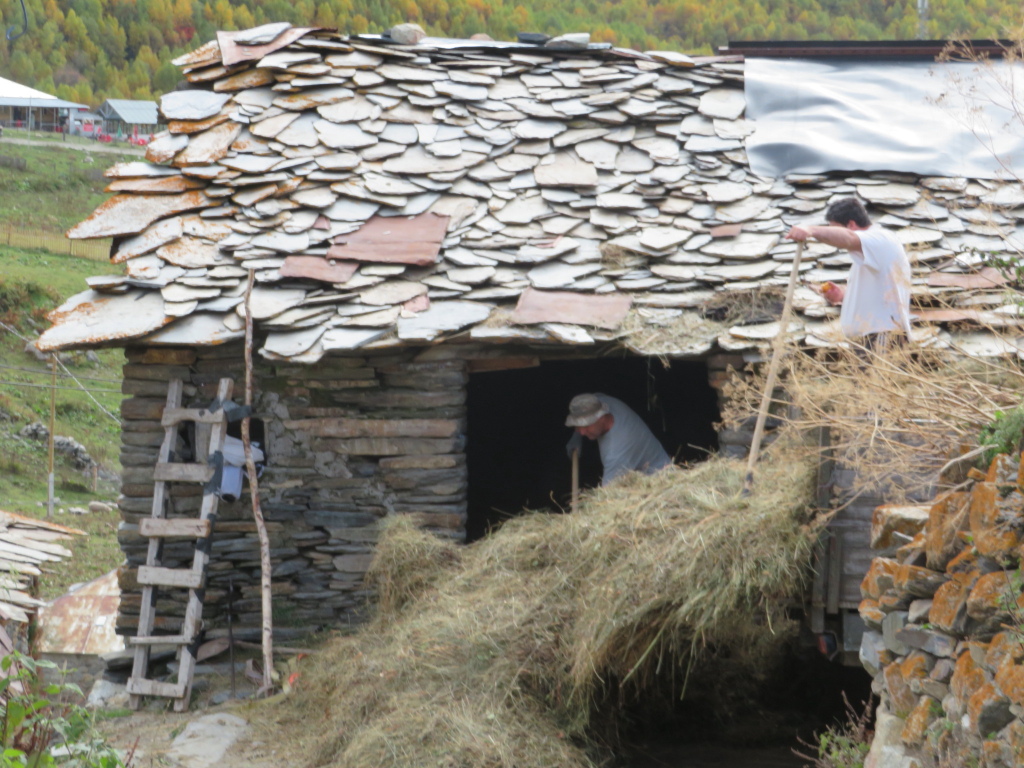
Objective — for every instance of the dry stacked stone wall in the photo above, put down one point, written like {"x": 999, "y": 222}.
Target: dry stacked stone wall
{"x": 349, "y": 441}
{"x": 945, "y": 611}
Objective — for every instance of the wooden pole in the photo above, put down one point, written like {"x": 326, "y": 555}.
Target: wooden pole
{"x": 778, "y": 344}
{"x": 53, "y": 420}
{"x": 575, "y": 503}
{"x": 257, "y": 510}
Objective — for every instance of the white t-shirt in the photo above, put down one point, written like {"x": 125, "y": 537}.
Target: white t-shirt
{"x": 877, "y": 297}
{"x": 629, "y": 445}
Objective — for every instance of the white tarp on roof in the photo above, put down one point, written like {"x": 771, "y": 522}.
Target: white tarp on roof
{"x": 869, "y": 115}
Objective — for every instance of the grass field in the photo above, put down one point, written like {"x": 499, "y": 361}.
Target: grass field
{"x": 32, "y": 283}
{"x": 58, "y": 187}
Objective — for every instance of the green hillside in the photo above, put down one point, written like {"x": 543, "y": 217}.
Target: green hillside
{"x": 90, "y": 50}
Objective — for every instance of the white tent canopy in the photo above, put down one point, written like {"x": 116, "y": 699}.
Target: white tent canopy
{"x": 14, "y": 94}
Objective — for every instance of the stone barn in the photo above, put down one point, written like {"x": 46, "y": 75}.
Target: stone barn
{"x": 449, "y": 239}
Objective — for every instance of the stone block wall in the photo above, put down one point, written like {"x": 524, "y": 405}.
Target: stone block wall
{"x": 348, "y": 440}
{"x": 945, "y": 611}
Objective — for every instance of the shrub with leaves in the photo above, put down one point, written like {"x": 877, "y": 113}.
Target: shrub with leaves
{"x": 40, "y": 723}
{"x": 1004, "y": 434}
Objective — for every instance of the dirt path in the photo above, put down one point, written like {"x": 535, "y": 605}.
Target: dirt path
{"x": 152, "y": 734}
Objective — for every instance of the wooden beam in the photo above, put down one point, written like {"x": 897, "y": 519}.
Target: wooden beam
{"x": 174, "y": 416}
{"x": 153, "y": 576}
{"x": 182, "y": 473}
{"x": 186, "y": 527}
{"x": 161, "y": 640}
{"x": 142, "y": 687}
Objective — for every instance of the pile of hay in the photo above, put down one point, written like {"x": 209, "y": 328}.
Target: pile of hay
{"x": 502, "y": 653}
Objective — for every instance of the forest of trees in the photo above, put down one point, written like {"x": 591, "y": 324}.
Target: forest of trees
{"x": 90, "y": 50}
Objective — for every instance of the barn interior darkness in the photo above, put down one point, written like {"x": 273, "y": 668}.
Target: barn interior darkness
{"x": 516, "y": 436}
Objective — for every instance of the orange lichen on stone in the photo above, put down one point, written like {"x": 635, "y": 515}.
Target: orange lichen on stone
{"x": 1003, "y": 644}
{"x": 916, "y": 665}
{"x": 1010, "y": 679}
{"x": 995, "y": 520}
{"x": 879, "y": 578}
{"x": 871, "y": 613}
{"x": 918, "y": 581}
{"x": 894, "y": 601}
{"x": 912, "y": 547}
{"x": 1014, "y": 735}
{"x": 1002, "y": 470}
{"x": 967, "y": 678}
{"x": 991, "y": 594}
{"x": 966, "y": 562}
{"x": 921, "y": 716}
{"x": 992, "y": 753}
{"x": 950, "y": 603}
{"x": 902, "y": 698}
{"x": 988, "y": 709}
{"x": 887, "y": 519}
{"x": 947, "y": 516}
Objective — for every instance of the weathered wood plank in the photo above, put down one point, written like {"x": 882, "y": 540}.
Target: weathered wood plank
{"x": 160, "y": 640}
{"x": 13, "y": 612}
{"x": 174, "y": 416}
{"x": 25, "y": 554}
{"x": 376, "y": 427}
{"x": 142, "y": 687}
{"x": 31, "y": 542}
{"x": 154, "y": 576}
{"x": 193, "y": 529}
{"x": 182, "y": 473}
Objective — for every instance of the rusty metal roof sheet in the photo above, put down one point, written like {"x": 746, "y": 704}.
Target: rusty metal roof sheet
{"x": 394, "y": 240}
{"x": 83, "y": 620}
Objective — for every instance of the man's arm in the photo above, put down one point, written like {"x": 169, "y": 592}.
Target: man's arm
{"x": 837, "y": 237}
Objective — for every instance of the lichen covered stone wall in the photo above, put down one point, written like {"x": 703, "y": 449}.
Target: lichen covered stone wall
{"x": 945, "y": 611}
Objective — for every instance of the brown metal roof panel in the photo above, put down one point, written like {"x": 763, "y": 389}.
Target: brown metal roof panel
{"x": 412, "y": 240}
{"x": 601, "y": 311}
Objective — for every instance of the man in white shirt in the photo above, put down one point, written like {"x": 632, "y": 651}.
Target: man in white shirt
{"x": 625, "y": 442}
{"x": 876, "y": 301}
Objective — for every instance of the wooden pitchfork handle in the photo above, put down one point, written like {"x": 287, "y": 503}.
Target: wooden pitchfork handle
{"x": 778, "y": 343}
{"x": 575, "y": 503}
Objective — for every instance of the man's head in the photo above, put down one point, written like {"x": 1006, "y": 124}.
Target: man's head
{"x": 848, "y": 211}
{"x": 589, "y": 416}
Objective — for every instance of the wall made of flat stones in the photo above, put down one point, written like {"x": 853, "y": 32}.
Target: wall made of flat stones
{"x": 349, "y": 440}
{"x": 945, "y": 612}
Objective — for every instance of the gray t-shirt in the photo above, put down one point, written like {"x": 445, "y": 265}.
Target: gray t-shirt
{"x": 629, "y": 445}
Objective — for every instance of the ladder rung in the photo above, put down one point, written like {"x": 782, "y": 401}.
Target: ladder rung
{"x": 174, "y": 416}
{"x": 143, "y": 687}
{"x": 161, "y": 640}
{"x": 156, "y": 527}
{"x": 182, "y": 473}
{"x": 153, "y": 576}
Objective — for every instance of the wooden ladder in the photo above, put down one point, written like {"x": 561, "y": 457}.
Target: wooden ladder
{"x": 157, "y": 527}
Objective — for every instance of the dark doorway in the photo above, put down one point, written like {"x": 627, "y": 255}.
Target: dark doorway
{"x": 516, "y": 434}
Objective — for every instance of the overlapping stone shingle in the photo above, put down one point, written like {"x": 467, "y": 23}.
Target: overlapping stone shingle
{"x": 570, "y": 171}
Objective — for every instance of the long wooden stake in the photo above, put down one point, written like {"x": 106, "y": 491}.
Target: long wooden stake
{"x": 257, "y": 510}
{"x": 53, "y": 425}
{"x": 778, "y": 344}
{"x": 575, "y": 503}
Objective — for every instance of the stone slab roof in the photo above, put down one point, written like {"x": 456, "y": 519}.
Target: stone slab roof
{"x": 388, "y": 194}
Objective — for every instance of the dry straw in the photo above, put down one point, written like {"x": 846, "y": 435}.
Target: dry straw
{"x": 508, "y": 651}
{"x": 896, "y": 414}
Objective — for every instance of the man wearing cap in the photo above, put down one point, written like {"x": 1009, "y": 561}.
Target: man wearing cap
{"x": 625, "y": 442}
